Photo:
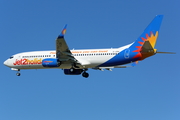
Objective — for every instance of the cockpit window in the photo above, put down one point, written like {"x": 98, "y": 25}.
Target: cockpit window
{"x": 11, "y": 57}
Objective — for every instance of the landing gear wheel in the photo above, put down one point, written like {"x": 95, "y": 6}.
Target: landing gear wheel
{"x": 18, "y": 74}
{"x": 85, "y": 74}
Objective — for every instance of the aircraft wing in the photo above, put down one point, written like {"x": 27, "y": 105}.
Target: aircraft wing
{"x": 62, "y": 50}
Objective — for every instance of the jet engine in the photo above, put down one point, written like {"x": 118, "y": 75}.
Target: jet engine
{"x": 51, "y": 62}
{"x": 73, "y": 71}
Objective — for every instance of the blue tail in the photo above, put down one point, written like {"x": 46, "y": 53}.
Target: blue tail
{"x": 144, "y": 46}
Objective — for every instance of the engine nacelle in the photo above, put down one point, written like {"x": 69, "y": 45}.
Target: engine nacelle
{"x": 51, "y": 62}
{"x": 74, "y": 72}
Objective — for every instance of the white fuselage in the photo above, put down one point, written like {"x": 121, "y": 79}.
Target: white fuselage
{"x": 76, "y": 62}
{"x": 88, "y": 58}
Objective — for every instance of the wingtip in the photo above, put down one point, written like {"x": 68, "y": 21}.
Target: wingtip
{"x": 63, "y": 32}
{"x": 160, "y": 16}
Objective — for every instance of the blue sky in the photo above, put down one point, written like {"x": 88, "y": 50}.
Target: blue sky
{"x": 149, "y": 91}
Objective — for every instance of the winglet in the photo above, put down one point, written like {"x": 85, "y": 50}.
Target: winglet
{"x": 63, "y": 32}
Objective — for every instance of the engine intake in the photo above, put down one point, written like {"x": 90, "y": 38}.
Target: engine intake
{"x": 51, "y": 62}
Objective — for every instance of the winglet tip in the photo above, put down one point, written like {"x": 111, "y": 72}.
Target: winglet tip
{"x": 160, "y": 15}
{"x": 63, "y": 32}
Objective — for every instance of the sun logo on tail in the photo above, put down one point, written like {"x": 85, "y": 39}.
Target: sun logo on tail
{"x": 150, "y": 38}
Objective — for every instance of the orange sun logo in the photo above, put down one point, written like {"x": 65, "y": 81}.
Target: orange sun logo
{"x": 152, "y": 40}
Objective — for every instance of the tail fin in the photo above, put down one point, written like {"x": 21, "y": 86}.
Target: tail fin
{"x": 144, "y": 46}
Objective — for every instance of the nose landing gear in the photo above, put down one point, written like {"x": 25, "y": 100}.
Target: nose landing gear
{"x": 18, "y": 72}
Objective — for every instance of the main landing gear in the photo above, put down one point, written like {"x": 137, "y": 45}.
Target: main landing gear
{"x": 83, "y": 71}
{"x": 85, "y": 74}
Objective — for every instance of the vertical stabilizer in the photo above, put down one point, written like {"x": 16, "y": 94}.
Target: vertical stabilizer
{"x": 144, "y": 46}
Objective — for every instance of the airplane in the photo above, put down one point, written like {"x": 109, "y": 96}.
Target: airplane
{"x": 76, "y": 62}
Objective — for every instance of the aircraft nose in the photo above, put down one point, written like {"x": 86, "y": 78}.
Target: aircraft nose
{"x": 6, "y": 63}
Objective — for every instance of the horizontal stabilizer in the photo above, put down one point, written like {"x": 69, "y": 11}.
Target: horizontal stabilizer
{"x": 167, "y": 52}
{"x": 134, "y": 64}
